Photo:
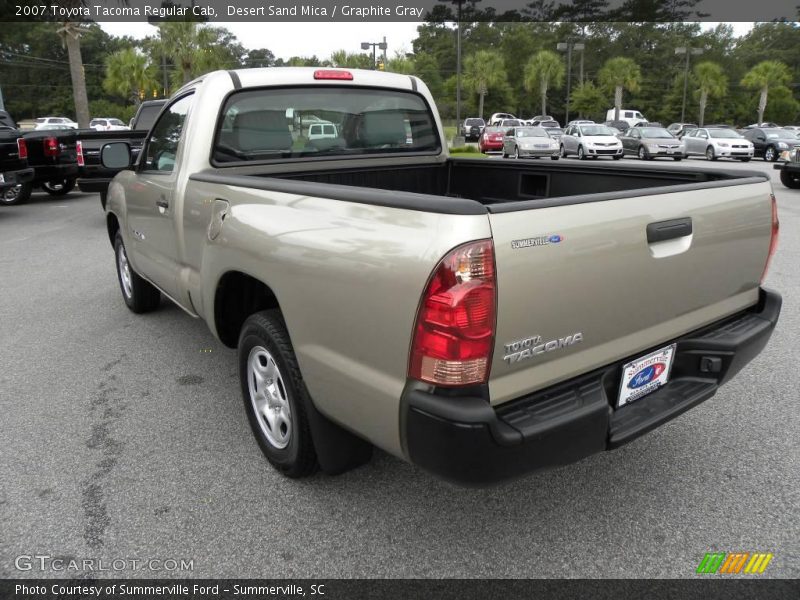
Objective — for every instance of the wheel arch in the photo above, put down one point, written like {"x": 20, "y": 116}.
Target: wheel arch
{"x": 236, "y": 297}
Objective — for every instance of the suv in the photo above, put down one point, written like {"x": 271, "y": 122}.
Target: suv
{"x": 472, "y": 128}
{"x": 107, "y": 124}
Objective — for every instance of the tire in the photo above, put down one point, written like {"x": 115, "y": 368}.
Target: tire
{"x": 643, "y": 154}
{"x": 554, "y": 157}
{"x": 677, "y": 158}
{"x": 746, "y": 159}
{"x": 272, "y": 384}
{"x": 617, "y": 157}
{"x": 710, "y": 153}
{"x": 18, "y": 194}
{"x": 790, "y": 180}
{"x": 504, "y": 152}
{"x": 562, "y": 152}
{"x": 770, "y": 154}
{"x": 59, "y": 187}
{"x": 516, "y": 152}
{"x": 139, "y": 295}
{"x": 581, "y": 155}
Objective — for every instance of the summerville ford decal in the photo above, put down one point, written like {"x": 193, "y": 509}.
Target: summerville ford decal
{"x": 542, "y": 240}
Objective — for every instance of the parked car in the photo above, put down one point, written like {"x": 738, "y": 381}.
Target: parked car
{"x": 491, "y": 140}
{"x": 622, "y": 126}
{"x": 590, "y": 141}
{"x": 554, "y": 132}
{"x": 322, "y": 131}
{"x": 767, "y": 124}
{"x": 529, "y": 142}
{"x": 630, "y": 116}
{"x": 480, "y": 318}
{"x": 497, "y": 118}
{"x": 678, "y": 129}
{"x": 581, "y": 122}
{"x": 790, "y": 168}
{"x": 15, "y": 175}
{"x": 769, "y": 142}
{"x": 108, "y": 124}
{"x": 508, "y": 123}
{"x": 546, "y": 123}
{"x": 472, "y": 128}
{"x": 714, "y": 143}
{"x": 94, "y": 177}
{"x": 651, "y": 142}
{"x": 55, "y": 123}
{"x": 648, "y": 124}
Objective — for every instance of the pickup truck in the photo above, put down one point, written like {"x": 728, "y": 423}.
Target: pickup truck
{"x": 790, "y": 167}
{"x": 15, "y": 175}
{"x": 94, "y": 178}
{"x": 480, "y": 318}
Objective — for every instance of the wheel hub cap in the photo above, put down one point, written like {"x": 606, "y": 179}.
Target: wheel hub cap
{"x": 268, "y": 397}
{"x": 125, "y": 274}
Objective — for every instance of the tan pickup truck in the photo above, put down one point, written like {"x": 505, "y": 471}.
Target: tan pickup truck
{"x": 480, "y": 318}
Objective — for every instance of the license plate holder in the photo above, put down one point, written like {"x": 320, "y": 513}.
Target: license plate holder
{"x": 645, "y": 375}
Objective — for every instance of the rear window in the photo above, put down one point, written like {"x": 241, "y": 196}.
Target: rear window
{"x": 477, "y": 122}
{"x": 269, "y": 124}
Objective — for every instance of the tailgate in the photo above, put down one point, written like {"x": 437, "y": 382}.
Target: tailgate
{"x": 585, "y": 278}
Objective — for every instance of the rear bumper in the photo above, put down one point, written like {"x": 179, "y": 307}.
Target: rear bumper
{"x": 464, "y": 439}
{"x": 540, "y": 152}
{"x": 16, "y": 177}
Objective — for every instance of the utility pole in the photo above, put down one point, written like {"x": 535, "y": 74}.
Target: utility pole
{"x": 688, "y": 52}
{"x": 568, "y": 47}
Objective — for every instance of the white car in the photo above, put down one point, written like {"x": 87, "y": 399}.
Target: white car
{"x": 496, "y": 118}
{"x": 321, "y": 131}
{"x": 590, "y": 141}
{"x": 534, "y": 142}
{"x": 108, "y": 124}
{"x": 48, "y": 122}
{"x": 714, "y": 143}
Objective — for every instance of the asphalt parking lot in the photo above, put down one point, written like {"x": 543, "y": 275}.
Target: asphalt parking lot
{"x": 124, "y": 436}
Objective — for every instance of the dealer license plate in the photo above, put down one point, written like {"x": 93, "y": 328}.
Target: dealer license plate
{"x": 645, "y": 375}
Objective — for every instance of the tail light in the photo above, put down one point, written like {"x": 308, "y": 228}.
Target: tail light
{"x": 22, "y": 148}
{"x": 51, "y": 147}
{"x": 454, "y": 330}
{"x": 333, "y": 74}
{"x": 773, "y": 240}
{"x": 79, "y": 151}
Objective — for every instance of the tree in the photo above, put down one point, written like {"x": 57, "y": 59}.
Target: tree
{"x": 195, "y": 49}
{"x": 588, "y": 100}
{"x": 262, "y": 57}
{"x": 766, "y": 74}
{"x": 711, "y": 82}
{"x": 483, "y": 70}
{"x": 342, "y": 58}
{"x": 70, "y": 33}
{"x": 620, "y": 74}
{"x": 130, "y": 74}
{"x": 543, "y": 71}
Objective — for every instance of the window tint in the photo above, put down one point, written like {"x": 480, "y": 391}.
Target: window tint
{"x": 628, "y": 115}
{"x": 270, "y": 124}
{"x": 147, "y": 115}
{"x": 162, "y": 147}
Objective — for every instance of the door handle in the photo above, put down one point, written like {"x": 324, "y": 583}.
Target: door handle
{"x": 162, "y": 204}
{"x": 669, "y": 230}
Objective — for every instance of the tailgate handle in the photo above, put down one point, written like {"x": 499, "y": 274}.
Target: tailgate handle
{"x": 669, "y": 230}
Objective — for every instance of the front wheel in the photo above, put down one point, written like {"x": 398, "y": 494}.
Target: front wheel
{"x": 790, "y": 180}
{"x": 58, "y": 187}
{"x": 710, "y": 153}
{"x": 562, "y": 152}
{"x": 275, "y": 394}
{"x": 17, "y": 194}
{"x": 770, "y": 154}
{"x": 643, "y": 155}
{"x": 516, "y": 152}
{"x": 140, "y": 295}
{"x": 581, "y": 154}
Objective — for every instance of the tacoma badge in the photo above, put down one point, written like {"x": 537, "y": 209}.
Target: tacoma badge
{"x": 533, "y": 346}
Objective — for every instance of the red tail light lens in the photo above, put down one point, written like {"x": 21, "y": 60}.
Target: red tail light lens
{"x": 22, "y": 148}
{"x": 773, "y": 241}
{"x": 51, "y": 146}
{"x": 333, "y": 74}
{"x": 454, "y": 331}
{"x": 79, "y": 151}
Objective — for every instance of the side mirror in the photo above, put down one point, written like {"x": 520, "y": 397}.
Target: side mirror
{"x": 116, "y": 155}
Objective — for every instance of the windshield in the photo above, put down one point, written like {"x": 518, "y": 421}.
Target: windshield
{"x": 270, "y": 124}
{"x": 774, "y": 134}
{"x": 656, "y": 132}
{"x": 723, "y": 133}
{"x": 531, "y": 132}
{"x": 596, "y": 130}
{"x": 494, "y": 129}
{"x": 511, "y": 123}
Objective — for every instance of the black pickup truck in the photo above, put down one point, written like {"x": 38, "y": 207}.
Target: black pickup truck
{"x": 15, "y": 175}
{"x": 94, "y": 177}
{"x": 51, "y": 155}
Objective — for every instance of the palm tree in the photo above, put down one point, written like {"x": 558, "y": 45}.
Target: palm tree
{"x": 543, "y": 71}
{"x": 70, "y": 33}
{"x": 192, "y": 48}
{"x": 620, "y": 74}
{"x": 483, "y": 70}
{"x": 128, "y": 74}
{"x": 766, "y": 74}
{"x": 711, "y": 82}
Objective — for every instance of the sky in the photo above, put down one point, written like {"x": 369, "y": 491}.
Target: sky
{"x": 320, "y": 39}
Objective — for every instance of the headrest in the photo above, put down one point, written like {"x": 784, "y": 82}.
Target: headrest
{"x": 262, "y": 130}
{"x": 382, "y": 128}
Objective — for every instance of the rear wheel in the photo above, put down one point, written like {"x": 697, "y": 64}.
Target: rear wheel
{"x": 17, "y": 194}
{"x": 275, "y": 395}
{"x": 770, "y": 154}
{"x": 140, "y": 296}
{"x": 581, "y": 154}
{"x": 790, "y": 180}
{"x": 710, "y": 153}
{"x": 58, "y": 187}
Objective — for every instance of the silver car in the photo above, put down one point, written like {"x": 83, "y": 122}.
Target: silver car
{"x": 649, "y": 142}
{"x": 533, "y": 142}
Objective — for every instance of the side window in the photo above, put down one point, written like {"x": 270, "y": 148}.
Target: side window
{"x": 162, "y": 146}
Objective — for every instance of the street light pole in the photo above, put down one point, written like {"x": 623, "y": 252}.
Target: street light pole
{"x": 381, "y": 45}
{"x": 688, "y": 52}
{"x": 569, "y": 47}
